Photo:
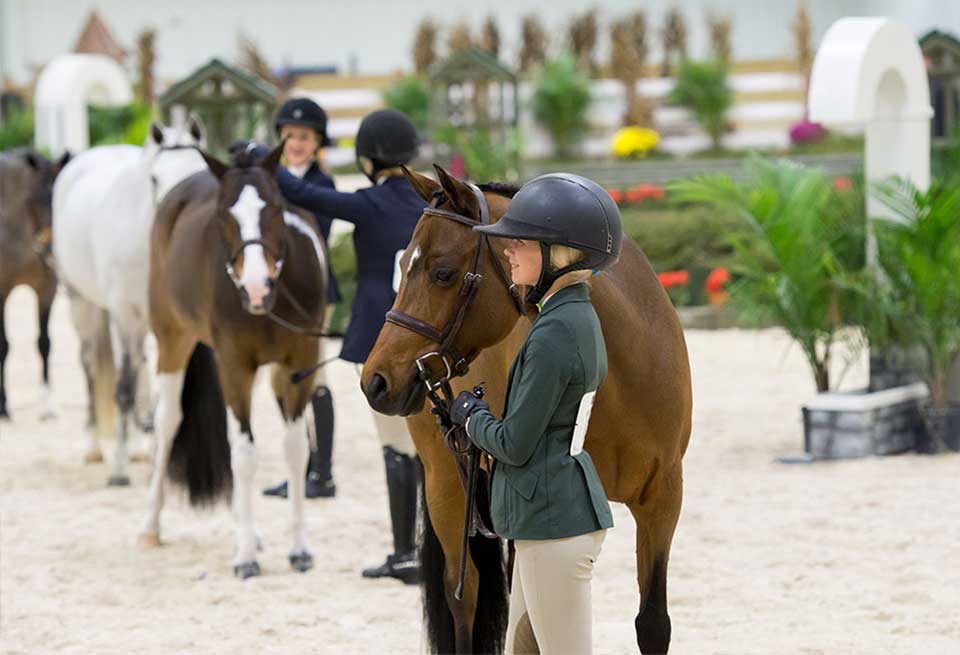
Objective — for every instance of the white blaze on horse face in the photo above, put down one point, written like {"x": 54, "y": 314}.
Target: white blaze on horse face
{"x": 297, "y": 223}
{"x": 255, "y": 276}
{"x": 398, "y": 273}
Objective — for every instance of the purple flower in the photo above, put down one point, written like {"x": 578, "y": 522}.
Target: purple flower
{"x": 807, "y": 132}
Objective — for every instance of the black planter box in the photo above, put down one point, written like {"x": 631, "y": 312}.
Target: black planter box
{"x": 861, "y": 424}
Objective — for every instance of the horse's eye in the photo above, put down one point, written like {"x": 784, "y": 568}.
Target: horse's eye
{"x": 443, "y": 275}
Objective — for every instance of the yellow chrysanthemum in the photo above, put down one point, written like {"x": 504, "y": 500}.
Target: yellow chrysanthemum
{"x": 633, "y": 141}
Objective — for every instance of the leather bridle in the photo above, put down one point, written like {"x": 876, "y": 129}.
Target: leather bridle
{"x": 455, "y": 364}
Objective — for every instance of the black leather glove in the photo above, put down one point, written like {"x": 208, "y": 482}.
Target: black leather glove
{"x": 465, "y": 405}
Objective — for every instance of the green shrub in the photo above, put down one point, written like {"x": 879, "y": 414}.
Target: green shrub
{"x": 486, "y": 159}
{"x": 126, "y": 124}
{"x": 702, "y": 88}
{"x": 17, "y": 130}
{"x": 343, "y": 260}
{"x": 561, "y": 98}
{"x": 411, "y": 95}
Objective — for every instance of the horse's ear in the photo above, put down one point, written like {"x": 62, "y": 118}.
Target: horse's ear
{"x": 64, "y": 159}
{"x": 422, "y": 184}
{"x": 217, "y": 167}
{"x": 156, "y": 133}
{"x": 461, "y": 196}
{"x": 195, "y": 129}
{"x": 271, "y": 161}
{"x": 33, "y": 160}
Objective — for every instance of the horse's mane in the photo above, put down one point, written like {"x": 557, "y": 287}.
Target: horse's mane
{"x": 500, "y": 188}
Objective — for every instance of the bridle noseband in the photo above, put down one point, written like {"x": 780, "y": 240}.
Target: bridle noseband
{"x": 278, "y": 257}
{"x": 454, "y": 363}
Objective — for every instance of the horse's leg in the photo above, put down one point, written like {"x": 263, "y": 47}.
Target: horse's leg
{"x": 45, "y": 296}
{"x": 173, "y": 356}
{"x": 656, "y": 516}
{"x": 143, "y": 403}
{"x": 296, "y": 450}
{"x": 126, "y": 392}
{"x": 237, "y": 382}
{"x": 97, "y": 361}
{"x": 445, "y": 505}
{"x": 4, "y": 350}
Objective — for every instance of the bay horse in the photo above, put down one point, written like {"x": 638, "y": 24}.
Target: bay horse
{"x": 638, "y": 432}
{"x": 26, "y": 183}
{"x": 232, "y": 266}
{"x": 103, "y": 210}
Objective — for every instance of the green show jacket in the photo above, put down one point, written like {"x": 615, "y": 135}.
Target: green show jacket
{"x": 538, "y": 489}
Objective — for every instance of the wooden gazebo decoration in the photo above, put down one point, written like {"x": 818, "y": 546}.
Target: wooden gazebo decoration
{"x": 941, "y": 52}
{"x": 232, "y": 103}
{"x": 471, "y": 90}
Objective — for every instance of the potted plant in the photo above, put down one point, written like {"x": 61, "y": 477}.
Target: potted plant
{"x": 913, "y": 297}
{"x": 801, "y": 265}
{"x": 792, "y": 266}
{"x": 702, "y": 88}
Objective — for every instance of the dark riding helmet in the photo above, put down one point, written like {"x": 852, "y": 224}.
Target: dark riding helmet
{"x": 305, "y": 112}
{"x": 387, "y": 138}
{"x": 568, "y": 210}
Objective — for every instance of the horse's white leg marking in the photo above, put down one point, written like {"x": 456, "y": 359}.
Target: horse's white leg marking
{"x": 243, "y": 462}
{"x": 296, "y": 450}
{"x": 169, "y": 415}
{"x": 246, "y": 211}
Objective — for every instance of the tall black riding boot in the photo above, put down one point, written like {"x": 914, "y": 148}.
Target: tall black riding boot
{"x": 403, "y": 474}
{"x": 320, "y": 482}
{"x": 320, "y": 465}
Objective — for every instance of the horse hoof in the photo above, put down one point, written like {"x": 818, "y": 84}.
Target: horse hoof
{"x": 141, "y": 458}
{"x": 146, "y": 425}
{"x": 118, "y": 481}
{"x": 301, "y": 562}
{"x": 246, "y": 570}
{"x": 93, "y": 457}
{"x": 148, "y": 540}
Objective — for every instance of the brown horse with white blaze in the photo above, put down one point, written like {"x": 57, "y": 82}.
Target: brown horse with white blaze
{"x": 638, "y": 431}
{"x": 232, "y": 268}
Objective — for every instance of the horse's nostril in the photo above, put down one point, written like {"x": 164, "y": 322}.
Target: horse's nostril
{"x": 378, "y": 386}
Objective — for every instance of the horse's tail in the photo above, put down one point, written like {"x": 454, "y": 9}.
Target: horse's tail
{"x": 104, "y": 377}
{"x": 200, "y": 455}
{"x": 490, "y": 621}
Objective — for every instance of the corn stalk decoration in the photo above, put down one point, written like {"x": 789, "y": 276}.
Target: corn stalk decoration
{"x": 459, "y": 38}
{"x": 425, "y": 47}
{"x": 720, "y": 28}
{"x": 583, "y": 40}
{"x": 533, "y": 49}
{"x": 253, "y": 60}
{"x": 146, "y": 56}
{"x": 803, "y": 42}
{"x": 490, "y": 36}
{"x": 627, "y": 56}
{"x": 674, "y": 37}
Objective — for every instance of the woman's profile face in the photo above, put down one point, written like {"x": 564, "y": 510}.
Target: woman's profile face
{"x": 525, "y": 261}
{"x": 301, "y": 142}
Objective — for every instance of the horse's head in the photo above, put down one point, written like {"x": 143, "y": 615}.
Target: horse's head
{"x": 437, "y": 288}
{"x": 171, "y": 155}
{"x": 250, "y": 216}
{"x": 39, "y": 199}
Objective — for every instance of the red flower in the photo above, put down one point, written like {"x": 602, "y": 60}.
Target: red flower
{"x": 718, "y": 278}
{"x": 842, "y": 183}
{"x": 671, "y": 279}
{"x": 634, "y": 194}
{"x": 616, "y": 194}
{"x": 651, "y": 191}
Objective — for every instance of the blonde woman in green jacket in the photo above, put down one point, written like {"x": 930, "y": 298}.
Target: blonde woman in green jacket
{"x": 545, "y": 492}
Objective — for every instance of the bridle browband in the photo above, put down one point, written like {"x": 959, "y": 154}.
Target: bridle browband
{"x": 455, "y": 364}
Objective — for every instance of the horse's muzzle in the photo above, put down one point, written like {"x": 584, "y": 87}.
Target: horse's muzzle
{"x": 405, "y": 401}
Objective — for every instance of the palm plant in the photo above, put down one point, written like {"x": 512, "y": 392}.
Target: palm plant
{"x": 795, "y": 265}
{"x": 702, "y": 88}
{"x": 914, "y": 299}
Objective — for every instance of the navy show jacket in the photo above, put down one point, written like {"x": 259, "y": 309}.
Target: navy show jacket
{"x": 384, "y": 217}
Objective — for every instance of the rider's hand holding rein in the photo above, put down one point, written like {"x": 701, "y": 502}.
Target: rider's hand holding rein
{"x": 546, "y": 494}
